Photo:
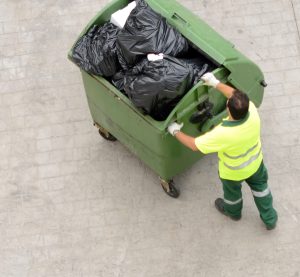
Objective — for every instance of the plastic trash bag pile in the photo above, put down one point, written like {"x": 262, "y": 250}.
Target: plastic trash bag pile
{"x": 145, "y": 32}
{"x": 119, "y": 50}
{"x": 155, "y": 87}
{"x": 96, "y": 52}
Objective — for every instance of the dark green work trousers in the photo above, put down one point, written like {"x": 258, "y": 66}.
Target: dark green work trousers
{"x": 258, "y": 182}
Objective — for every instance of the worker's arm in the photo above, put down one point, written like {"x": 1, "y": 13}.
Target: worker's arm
{"x": 211, "y": 80}
{"x": 225, "y": 89}
{"x": 174, "y": 129}
{"x": 186, "y": 140}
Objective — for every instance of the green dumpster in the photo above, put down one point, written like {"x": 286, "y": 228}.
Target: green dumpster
{"x": 117, "y": 118}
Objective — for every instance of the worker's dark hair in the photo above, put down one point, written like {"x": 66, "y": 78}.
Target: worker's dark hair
{"x": 238, "y": 105}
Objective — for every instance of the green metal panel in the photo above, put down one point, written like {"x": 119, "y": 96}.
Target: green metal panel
{"x": 155, "y": 147}
{"x": 195, "y": 29}
{"x": 147, "y": 138}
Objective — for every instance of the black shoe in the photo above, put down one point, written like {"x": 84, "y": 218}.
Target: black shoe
{"x": 219, "y": 203}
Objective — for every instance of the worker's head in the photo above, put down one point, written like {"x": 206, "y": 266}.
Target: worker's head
{"x": 238, "y": 105}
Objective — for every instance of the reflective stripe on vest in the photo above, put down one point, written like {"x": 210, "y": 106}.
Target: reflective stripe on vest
{"x": 233, "y": 202}
{"x": 261, "y": 193}
{"x": 242, "y": 155}
{"x": 252, "y": 159}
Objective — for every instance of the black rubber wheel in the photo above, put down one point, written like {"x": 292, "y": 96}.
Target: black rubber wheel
{"x": 172, "y": 191}
{"x": 107, "y": 136}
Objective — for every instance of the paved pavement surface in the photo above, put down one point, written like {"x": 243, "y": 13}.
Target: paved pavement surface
{"x": 72, "y": 204}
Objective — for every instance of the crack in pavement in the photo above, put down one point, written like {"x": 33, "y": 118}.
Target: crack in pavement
{"x": 295, "y": 17}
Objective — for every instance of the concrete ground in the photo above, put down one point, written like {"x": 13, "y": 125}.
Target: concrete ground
{"x": 72, "y": 204}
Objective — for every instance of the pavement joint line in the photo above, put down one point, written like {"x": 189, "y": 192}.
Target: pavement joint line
{"x": 295, "y": 16}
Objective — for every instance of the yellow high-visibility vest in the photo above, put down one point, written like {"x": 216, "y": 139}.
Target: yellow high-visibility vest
{"x": 238, "y": 145}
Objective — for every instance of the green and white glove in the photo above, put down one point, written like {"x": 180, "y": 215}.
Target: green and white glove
{"x": 210, "y": 79}
{"x": 174, "y": 128}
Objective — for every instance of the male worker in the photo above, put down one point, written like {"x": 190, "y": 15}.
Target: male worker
{"x": 237, "y": 141}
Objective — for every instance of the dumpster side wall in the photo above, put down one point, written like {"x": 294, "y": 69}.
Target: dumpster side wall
{"x": 157, "y": 149}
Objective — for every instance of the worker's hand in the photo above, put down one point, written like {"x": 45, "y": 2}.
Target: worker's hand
{"x": 174, "y": 128}
{"x": 210, "y": 79}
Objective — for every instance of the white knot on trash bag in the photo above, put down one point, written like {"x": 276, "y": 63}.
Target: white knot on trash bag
{"x": 120, "y": 17}
{"x": 155, "y": 57}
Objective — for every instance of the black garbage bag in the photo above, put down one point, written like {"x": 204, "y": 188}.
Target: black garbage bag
{"x": 118, "y": 80}
{"x": 156, "y": 87}
{"x": 200, "y": 64}
{"x": 200, "y": 67}
{"x": 146, "y": 32}
{"x": 96, "y": 52}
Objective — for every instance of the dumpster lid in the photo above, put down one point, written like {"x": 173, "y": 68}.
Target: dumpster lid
{"x": 211, "y": 44}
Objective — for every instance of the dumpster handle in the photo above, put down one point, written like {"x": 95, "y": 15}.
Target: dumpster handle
{"x": 178, "y": 17}
{"x": 181, "y": 113}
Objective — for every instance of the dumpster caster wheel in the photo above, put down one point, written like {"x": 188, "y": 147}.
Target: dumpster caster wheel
{"x": 169, "y": 188}
{"x": 106, "y": 135}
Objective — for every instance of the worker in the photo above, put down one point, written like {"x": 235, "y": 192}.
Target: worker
{"x": 237, "y": 141}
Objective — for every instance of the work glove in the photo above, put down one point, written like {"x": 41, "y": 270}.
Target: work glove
{"x": 210, "y": 79}
{"x": 174, "y": 128}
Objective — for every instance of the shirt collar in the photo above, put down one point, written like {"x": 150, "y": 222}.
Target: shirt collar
{"x": 232, "y": 123}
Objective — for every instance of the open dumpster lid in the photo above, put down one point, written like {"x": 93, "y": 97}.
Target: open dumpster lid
{"x": 197, "y": 31}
